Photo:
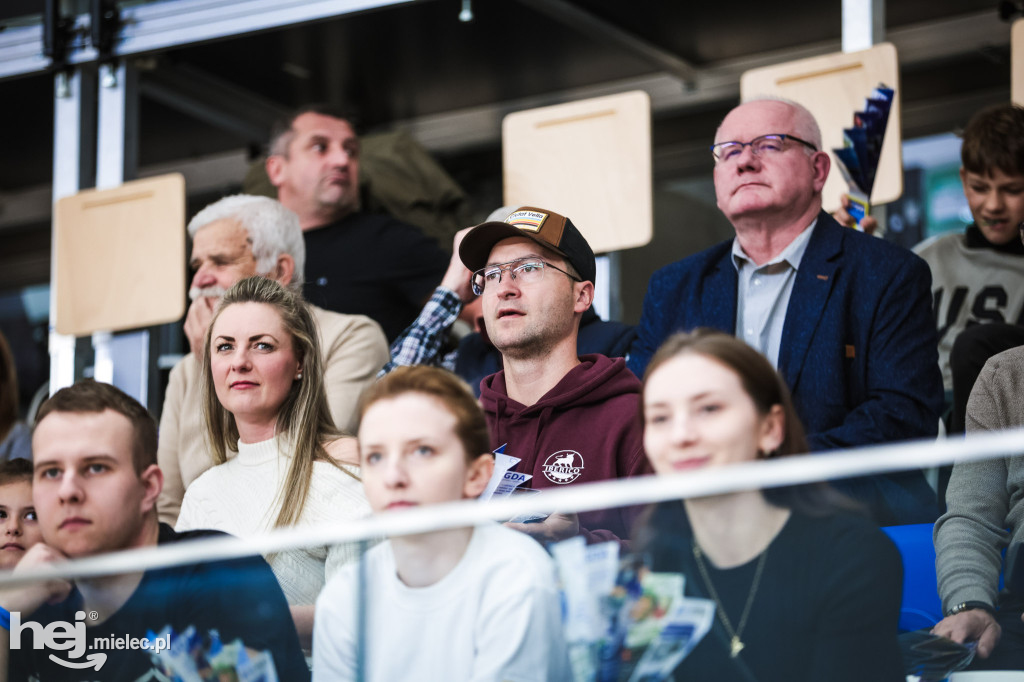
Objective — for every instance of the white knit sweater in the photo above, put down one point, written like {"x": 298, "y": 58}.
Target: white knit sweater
{"x": 241, "y": 497}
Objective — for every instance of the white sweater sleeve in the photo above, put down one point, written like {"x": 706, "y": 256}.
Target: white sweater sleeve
{"x": 187, "y": 514}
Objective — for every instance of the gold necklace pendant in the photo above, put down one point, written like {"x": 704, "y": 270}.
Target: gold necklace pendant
{"x": 736, "y": 645}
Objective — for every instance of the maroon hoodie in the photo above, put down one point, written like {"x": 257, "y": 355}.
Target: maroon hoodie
{"x": 587, "y": 428}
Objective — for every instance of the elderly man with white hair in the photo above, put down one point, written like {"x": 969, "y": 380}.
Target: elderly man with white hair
{"x": 234, "y": 238}
{"x": 845, "y": 318}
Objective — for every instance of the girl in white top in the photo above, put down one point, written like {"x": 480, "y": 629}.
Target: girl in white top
{"x": 451, "y": 605}
{"x": 264, "y": 399}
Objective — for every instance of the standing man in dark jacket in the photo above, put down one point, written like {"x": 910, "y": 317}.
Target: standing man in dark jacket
{"x": 357, "y": 263}
{"x": 845, "y": 318}
{"x": 570, "y": 418}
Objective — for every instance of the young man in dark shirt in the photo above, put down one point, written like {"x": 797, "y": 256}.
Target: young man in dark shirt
{"x": 95, "y": 487}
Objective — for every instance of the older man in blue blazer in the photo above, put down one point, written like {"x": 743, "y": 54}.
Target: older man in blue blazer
{"x": 846, "y": 318}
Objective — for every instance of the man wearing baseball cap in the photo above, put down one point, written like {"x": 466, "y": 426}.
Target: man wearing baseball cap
{"x": 570, "y": 418}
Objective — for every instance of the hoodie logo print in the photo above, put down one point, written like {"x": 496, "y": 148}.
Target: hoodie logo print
{"x": 564, "y": 466}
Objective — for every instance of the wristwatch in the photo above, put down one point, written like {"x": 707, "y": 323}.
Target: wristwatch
{"x": 968, "y": 605}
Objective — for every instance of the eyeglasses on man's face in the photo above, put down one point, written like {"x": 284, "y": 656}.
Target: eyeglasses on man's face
{"x": 524, "y": 271}
{"x": 760, "y": 146}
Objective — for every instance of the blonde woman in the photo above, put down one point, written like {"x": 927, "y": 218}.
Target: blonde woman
{"x": 281, "y": 462}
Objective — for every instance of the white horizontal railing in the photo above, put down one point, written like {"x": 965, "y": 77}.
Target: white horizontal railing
{"x": 576, "y": 498}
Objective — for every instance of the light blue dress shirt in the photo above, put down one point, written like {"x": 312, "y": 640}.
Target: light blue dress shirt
{"x": 763, "y": 293}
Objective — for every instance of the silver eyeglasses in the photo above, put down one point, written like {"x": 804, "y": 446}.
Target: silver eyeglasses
{"x": 524, "y": 271}
{"x": 766, "y": 144}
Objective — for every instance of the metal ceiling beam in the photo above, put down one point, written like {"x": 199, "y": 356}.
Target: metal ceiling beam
{"x": 206, "y": 97}
{"x": 169, "y": 24}
{"x": 716, "y": 83}
{"x": 21, "y": 51}
{"x": 579, "y": 19}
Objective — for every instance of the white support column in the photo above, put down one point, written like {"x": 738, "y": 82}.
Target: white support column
{"x": 607, "y": 294}
{"x": 602, "y": 287}
{"x": 121, "y": 360}
{"x": 116, "y": 126}
{"x": 103, "y": 357}
{"x": 109, "y": 173}
{"x": 74, "y": 93}
{"x": 863, "y": 24}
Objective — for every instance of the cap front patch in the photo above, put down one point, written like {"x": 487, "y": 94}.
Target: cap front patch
{"x": 531, "y": 221}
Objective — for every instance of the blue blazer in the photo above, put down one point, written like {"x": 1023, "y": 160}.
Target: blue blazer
{"x": 859, "y": 349}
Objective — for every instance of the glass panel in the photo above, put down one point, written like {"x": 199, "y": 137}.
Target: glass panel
{"x": 794, "y": 583}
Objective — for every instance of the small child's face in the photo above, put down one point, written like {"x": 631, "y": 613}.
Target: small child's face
{"x": 997, "y": 203}
{"x": 19, "y": 528}
{"x": 410, "y": 455}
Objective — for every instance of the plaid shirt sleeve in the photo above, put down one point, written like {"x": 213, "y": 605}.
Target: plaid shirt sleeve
{"x": 420, "y": 343}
